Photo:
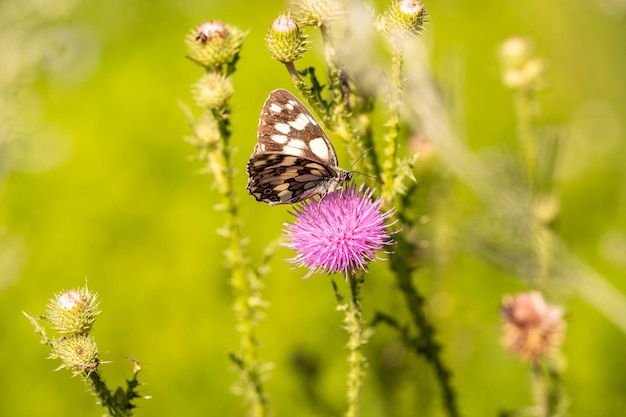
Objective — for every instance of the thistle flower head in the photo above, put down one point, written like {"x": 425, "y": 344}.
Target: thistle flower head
{"x": 340, "y": 233}
{"x": 285, "y": 41}
{"x": 532, "y": 328}
{"x": 73, "y": 312}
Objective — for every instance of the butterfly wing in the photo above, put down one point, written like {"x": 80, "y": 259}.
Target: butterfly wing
{"x": 293, "y": 159}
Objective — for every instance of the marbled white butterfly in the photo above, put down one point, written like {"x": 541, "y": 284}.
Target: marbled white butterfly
{"x": 293, "y": 159}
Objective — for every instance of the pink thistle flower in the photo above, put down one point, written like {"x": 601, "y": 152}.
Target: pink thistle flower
{"x": 532, "y": 328}
{"x": 340, "y": 233}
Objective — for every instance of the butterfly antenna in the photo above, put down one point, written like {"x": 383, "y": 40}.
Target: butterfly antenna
{"x": 361, "y": 157}
{"x": 378, "y": 180}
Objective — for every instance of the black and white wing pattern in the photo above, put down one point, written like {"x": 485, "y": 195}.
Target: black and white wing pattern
{"x": 293, "y": 159}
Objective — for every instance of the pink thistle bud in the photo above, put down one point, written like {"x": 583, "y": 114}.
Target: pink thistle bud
{"x": 210, "y": 30}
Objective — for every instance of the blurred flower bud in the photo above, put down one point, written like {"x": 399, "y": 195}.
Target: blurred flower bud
{"x": 212, "y": 91}
{"x": 520, "y": 69}
{"x": 532, "y": 328}
{"x": 316, "y": 12}
{"x": 402, "y": 19}
{"x": 78, "y": 353}
{"x": 73, "y": 312}
{"x": 285, "y": 41}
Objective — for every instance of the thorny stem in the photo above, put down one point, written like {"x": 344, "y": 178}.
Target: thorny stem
{"x": 307, "y": 92}
{"x": 393, "y": 126}
{"x": 430, "y": 348}
{"x": 342, "y": 115}
{"x": 245, "y": 283}
{"x": 356, "y": 360}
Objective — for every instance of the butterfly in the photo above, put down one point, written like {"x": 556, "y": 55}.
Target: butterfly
{"x": 293, "y": 159}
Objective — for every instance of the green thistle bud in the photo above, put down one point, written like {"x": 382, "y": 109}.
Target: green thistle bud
{"x": 73, "y": 312}
{"x": 285, "y": 41}
{"x": 316, "y": 12}
{"x": 212, "y": 91}
{"x": 78, "y": 354}
{"x": 403, "y": 19}
{"x": 215, "y": 44}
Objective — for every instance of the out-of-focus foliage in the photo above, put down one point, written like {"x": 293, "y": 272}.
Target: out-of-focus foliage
{"x": 96, "y": 182}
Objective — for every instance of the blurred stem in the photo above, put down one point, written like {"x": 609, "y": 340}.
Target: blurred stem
{"x": 546, "y": 388}
{"x": 539, "y": 390}
{"x": 430, "y": 349}
{"x": 356, "y": 339}
{"x": 525, "y": 110}
{"x": 393, "y": 126}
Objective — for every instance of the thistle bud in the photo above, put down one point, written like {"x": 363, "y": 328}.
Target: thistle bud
{"x": 285, "y": 41}
{"x": 78, "y": 354}
{"x": 212, "y": 91}
{"x": 214, "y": 44}
{"x": 403, "y": 19}
{"x": 73, "y": 312}
{"x": 532, "y": 328}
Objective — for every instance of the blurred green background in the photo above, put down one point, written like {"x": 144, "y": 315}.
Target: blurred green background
{"x": 97, "y": 184}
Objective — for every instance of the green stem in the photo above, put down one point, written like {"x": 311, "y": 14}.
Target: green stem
{"x": 390, "y": 138}
{"x": 311, "y": 96}
{"x": 104, "y": 396}
{"x": 342, "y": 117}
{"x": 356, "y": 359}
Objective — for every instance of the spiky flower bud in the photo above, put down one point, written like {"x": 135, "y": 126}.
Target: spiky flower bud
{"x": 77, "y": 353}
{"x": 402, "y": 19}
{"x": 532, "y": 328}
{"x": 285, "y": 41}
{"x": 316, "y": 12}
{"x": 212, "y": 91}
{"x": 520, "y": 69}
{"x": 215, "y": 44}
{"x": 73, "y": 312}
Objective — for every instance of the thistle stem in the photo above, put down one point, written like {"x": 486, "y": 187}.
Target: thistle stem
{"x": 356, "y": 359}
{"x": 393, "y": 126}
{"x": 246, "y": 284}
{"x": 430, "y": 347}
